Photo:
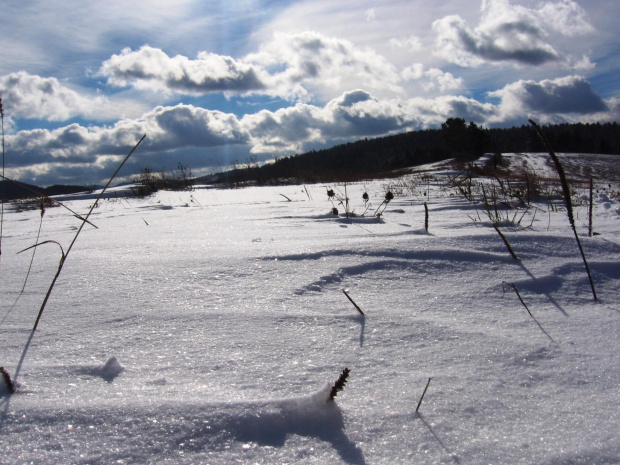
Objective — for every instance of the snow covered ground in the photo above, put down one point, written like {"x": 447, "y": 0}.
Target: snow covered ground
{"x": 207, "y": 326}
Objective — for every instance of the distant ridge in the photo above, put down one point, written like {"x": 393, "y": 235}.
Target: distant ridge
{"x": 372, "y": 158}
{"x": 18, "y": 190}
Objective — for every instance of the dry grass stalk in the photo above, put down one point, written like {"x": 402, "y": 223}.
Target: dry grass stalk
{"x": 34, "y": 251}
{"x": 512, "y": 253}
{"x": 590, "y": 208}
{"x": 353, "y": 302}
{"x": 66, "y": 254}
{"x": 567, "y": 200}
{"x": 423, "y": 394}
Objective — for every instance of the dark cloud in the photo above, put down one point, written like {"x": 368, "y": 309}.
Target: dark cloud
{"x": 510, "y": 33}
{"x": 574, "y": 96}
{"x": 564, "y": 96}
{"x": 487, "y": 48}
{"x": 349, "y": 99}
{"x": 74, "y": 146}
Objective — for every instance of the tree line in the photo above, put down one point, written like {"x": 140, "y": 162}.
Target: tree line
{"x": 456, "y": 139}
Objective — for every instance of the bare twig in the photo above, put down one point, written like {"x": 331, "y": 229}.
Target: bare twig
{"x": 518, "y": 295}
{"x": 423, "y": 394}
{"x": 354, "y": 304}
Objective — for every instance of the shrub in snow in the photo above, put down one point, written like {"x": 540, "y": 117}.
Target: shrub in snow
{"x": 388, "y": 197}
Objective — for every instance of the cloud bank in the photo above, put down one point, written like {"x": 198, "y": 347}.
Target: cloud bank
{"x": 297, "y": 128}
{"x": 289, "y": 66}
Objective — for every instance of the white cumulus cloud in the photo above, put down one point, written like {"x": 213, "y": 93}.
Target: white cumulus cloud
{"x": 151, "y": 68}
{"x": 434, "y": 78}
{"x": 34, "y": 97}
{"x": 290, "y": 66}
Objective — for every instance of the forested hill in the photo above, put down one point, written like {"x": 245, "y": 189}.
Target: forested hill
{"x": 456, "y": 138}
{"x": 17, "y": 190}
{"x": 364, "y": 157}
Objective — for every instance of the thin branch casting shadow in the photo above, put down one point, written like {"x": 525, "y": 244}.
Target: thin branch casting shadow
{"x": 549, "y": 296}
{"x": 362, "y": 321}
{"x": 454, "y": 457}
{"x": 528, "y": 310}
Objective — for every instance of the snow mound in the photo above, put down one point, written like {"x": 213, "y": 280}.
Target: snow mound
{"x": 108, "y": 371}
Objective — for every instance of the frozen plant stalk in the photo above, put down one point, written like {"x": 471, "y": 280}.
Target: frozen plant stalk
{"x": 339, "y": 384}
{"x": 567, "y": 199}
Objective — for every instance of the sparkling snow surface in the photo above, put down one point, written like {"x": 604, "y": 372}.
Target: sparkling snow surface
{"x": 206, "y": 327}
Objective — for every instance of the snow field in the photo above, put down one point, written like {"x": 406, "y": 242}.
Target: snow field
{"x": 225, "y": 313}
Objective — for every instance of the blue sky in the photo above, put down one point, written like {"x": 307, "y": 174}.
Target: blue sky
{"x": 216, "y": 82}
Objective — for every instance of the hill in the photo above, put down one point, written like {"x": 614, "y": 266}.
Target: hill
{"x": 10, "y": 190}
{"x": 373, "y": 158}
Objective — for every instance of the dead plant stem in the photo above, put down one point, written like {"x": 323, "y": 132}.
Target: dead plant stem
{"x": 66, "y": 254}
{"x": 567, "y": 200}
